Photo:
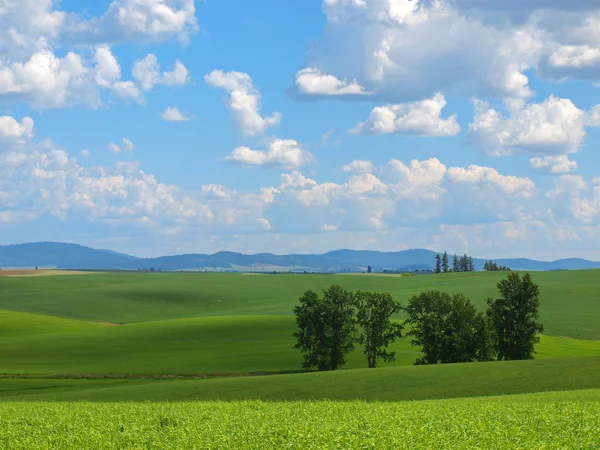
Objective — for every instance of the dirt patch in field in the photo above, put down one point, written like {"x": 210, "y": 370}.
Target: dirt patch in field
{"x": 39, "y": 273}
{"x": 110, "y": 324}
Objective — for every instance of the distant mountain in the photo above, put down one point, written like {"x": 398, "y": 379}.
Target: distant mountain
{"x": 73, "y": 256}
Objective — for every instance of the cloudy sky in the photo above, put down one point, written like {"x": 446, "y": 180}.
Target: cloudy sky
{"x": 168, "y": 126}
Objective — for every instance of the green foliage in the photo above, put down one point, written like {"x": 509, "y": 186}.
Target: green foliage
{"x": 514, "y": 317}
{"x": 445, "y": 266}
{"x": 491, "y": 266}
{"x": 557, "y": 420}
{"x": 438, "y": 263}
{"x": 448, "y": 328}
{"x": 326, "y": 328}
{"x": 374, "y": 313}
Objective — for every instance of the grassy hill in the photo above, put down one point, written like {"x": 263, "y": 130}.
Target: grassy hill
{"x": 384, "y": 384}
{"x": 45, "y": 345}
{"x": 570, "y": 300}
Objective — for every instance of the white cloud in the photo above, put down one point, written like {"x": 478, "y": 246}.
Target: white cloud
{"x": 126, "y": 145}
{"x": 313, "y": 82}
{"x": 172, "y": 114}
{"x": 594, "y": 117}
{"x": 358, "y": 166}
{"x": 244, "y": 102}
{"x": 575, "y": 56}
{"x": 282, "y": 153}
{"x": 12, "y": 130}
{"x": 553, "y": 164}
{"x": 418, "y": 179}
{"x": 555, "y": 126}
{"x": 139, "y": 20}
{"x": 419, "y": 118}
{"x": 510, "y": 185}
{"x": 85, "y": 153}
{"x": 404, "y": 50}
{"x": 146, "y": 72}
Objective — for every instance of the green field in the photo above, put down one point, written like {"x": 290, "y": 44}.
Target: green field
{"x": 220, "y": 342}
{"x": 550, "y": 420}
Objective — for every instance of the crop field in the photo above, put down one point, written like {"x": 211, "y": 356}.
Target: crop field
{"x": 205, "y": 360}
{"x": 550, "y": 420}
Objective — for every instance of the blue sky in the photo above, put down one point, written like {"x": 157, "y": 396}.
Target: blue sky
{"x": 167, "y": 126}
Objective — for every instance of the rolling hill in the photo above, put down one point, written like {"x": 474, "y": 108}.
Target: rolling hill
{"x": 73, "y": 256}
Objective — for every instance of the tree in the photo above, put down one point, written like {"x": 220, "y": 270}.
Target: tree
{"x": 455, "y": 264}
{"x": 369, "y": 269}
{"x": 374, "y": 312}
{"x": 448, "y": 328}
{"x": 438, "y": 263}
{"x": 514, "y": 317}
{"x": 445, "y": 262}
{"x": 470, "y": 264}
{"x": 326, "y": 328}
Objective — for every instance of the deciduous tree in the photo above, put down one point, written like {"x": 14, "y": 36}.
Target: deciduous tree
{"x": 448, "y": 328}
{"x": 374, "y": 315}
{"x": 326, "y": 328}
{"x": 514, "y": 317}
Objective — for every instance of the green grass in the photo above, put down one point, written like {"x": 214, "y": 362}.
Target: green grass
{"x": 383, "y": 384}
{"x": 570, "y": 300}
{"x": 44, "y": 345}
{"x": 553, "y": 420}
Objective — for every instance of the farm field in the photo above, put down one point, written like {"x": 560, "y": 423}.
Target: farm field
{"x": 206, "y": 323}
{"x": 547, "y": 420}
{"x": 177, "y": 360}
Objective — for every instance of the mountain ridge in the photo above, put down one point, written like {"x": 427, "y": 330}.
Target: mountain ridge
{"x": 75, "y": 256}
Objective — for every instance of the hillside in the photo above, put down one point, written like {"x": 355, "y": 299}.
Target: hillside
{"x": 73, "y": 256}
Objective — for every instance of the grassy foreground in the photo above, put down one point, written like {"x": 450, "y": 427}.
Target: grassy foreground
{"x": 550, "y": 420}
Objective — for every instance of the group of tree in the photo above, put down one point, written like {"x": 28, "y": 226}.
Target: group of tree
{"x": 462, "y": 264}
{"x": 491, "y": 266}
{"x": 330, "y": 325}
{"x": 448, "y": 328}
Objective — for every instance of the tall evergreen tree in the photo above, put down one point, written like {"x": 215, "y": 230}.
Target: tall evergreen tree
{"x": 438, "y": 263}
{"x": 470, "y": 264}
{"x": 455, "y": 264}
{"x": 514, "y": 317}
{"x": 445, "y": 262}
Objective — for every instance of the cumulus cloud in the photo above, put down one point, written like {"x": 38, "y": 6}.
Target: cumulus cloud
{"x": 419, "y": 118}
{"x": 594, "y": 117}
{"x": 510, "y": 185}
{"x": 555, "y": 126}
{"x": 126, "y": 145}
{"x": 172, "y": 114}
{"x": 46, "y": 81}
{"x": 406, "y": 50}
{"x": 15, "y": 131}
{"x": 553, "y": 164}
{"x": 244, "y": 102}
{"x": 147, "y": 73}
{"x": 358, "y": 166}
{"x": 313, "y": 82}
{"x": 282, "y": 153}
{"x": 138, "y": 20}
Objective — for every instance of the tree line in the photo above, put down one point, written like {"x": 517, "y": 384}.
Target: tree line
{"x": 491, "y": 266}
{"x": 447, "y": 327}
{"x": 462, "y": 264}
